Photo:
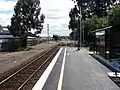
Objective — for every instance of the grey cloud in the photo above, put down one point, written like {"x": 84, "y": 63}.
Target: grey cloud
{"x": 53, "y": 27}
{"x": 55, "y": 14}
{"x": 64, "y": 25}
{"x": 62, "y": 33}
{"x": 49, "y": 14}
{"x": 61, "y": 30}
{"x": 56, "y": 17}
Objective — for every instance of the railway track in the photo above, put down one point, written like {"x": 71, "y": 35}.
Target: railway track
{"x": 26, "y": 77}
{"x": 116, "y": 80}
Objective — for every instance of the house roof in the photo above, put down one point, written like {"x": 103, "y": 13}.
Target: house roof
{"x": 4, "y": 31}
{"x": 7, "y": 36}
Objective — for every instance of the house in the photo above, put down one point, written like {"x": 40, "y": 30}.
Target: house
{"x": 7, "y": 41}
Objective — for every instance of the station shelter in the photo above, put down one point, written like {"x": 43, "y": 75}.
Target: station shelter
{"x": 106, "y": 42}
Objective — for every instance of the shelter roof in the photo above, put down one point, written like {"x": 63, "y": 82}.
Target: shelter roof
{"x": 102, "y": 29}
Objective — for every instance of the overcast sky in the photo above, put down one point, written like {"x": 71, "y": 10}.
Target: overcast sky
{"x": 55, "y": 11}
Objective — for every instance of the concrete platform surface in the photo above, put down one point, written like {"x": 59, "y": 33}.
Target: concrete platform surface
{"x": 83, "y": 72}
{"x": 77, "y": 70}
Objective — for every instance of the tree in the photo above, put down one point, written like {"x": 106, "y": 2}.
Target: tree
{"x": 26, "y": 17}
{"x": 95, "y": 7}
{"x": 114, "y": 17}
{"x": 74, "y": 17}
{"x": 73, "y": 35}
{"x": 64, "y": 37}
{"x": 74, "y": 22}
{"x": 93, "y": 14}
{"x": 90, "y": 24}
{"x": 56, "y": 37}
{"x": 93, "y": 24}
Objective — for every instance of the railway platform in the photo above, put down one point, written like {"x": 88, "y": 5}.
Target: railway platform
{"x": 75, "y": 70}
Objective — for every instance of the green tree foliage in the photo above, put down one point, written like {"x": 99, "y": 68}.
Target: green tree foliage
{"x": 74, "y": 23}
{"x": 95, "y": 23}
{"x": 64, "y": 38}
{"x": 114, "y": 17}
{"x": 95, "y": 7}
{"x": 92, "y": 24}
{"x": 73, "y": 14}
{"x": 26, "y": 17}
{"x": 73, "y": 35}
{"x": 56, "y": 37}
{"x": 93, "y": 14}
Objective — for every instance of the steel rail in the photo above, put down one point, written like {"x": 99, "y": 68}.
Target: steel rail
{"x": 37, "y": 69}
{"x": 25, "y": 67}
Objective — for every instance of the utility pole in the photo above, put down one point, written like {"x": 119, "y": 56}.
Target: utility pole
{"x": 80, "y": 31}
{"x": 83, "y": 32}
{"x": 74, "y": 36}
{"x": 48, "y": 31}
{"x": 80, "y": 28}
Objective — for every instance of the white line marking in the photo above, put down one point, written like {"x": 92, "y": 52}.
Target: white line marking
{"x": 62, "y": 73}
{"x": 40, "y": 83}
{"x": 112, "y": 74}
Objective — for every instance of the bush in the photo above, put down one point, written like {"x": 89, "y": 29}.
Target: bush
{"x": 28, "y": 48}
{"x": 86, "y": 44}
{"x": 24, "y": 49}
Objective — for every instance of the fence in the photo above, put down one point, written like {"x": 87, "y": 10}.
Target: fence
{"x": 9, "y": 44}
{"x": 13, "y": 43}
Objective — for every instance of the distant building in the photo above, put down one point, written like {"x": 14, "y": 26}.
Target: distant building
{"x": 4, "y": 31}
{"x": 45, "y": 38}
{"x": 7, "y": 41}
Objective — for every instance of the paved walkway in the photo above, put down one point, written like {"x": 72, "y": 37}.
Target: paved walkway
{"x": 81, "y": 72}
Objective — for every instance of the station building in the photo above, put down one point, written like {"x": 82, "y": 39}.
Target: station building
{"x": 106, "y": 42}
